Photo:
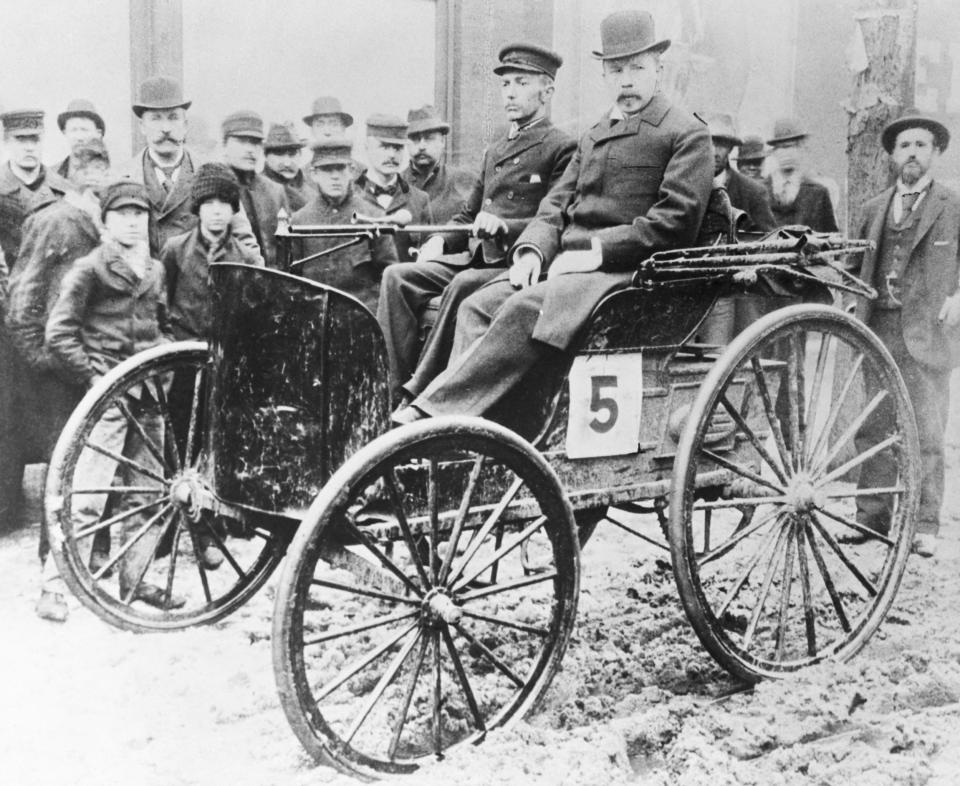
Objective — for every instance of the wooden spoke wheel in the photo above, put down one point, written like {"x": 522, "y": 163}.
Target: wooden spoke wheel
{"x": 129, "y": 510}
{"x": 429, "y": 596}
{"x": 797, "y": 558}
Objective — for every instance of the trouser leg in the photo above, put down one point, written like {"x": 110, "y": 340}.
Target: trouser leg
{"x": 718, "y": 327}
{"x": 12, "y": 456}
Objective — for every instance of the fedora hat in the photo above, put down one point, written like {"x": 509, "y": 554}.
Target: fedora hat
{"x": 721, "y": 127}
{"x": 786, "y": 129}
{"x": 751, "y": 149}
{"x": 387, "y": 128}
{"x": 914, "y": 118}
{"x": 80, "y": 107}
{"x": 159, "y": 92}
{"x": 282, "y": 137}
{"x": 628, "y": 33}
{"x": 424, "y": 119}
{"x": 328, "y": 105}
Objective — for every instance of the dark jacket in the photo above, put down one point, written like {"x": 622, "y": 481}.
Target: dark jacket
{"x": 514, "y": 176}
{"x": 407, "y": 198}
{"x": 17, "y": 201}
{"x": 53, "y": 240}
{"x": 170, "y": 212}
{"x": 750, "y": 196}
{"x": 105, "y": 314}
{"x": 262, "y": 200}
{"x": 299, "y": 191}
{"x": 931, "y": 275}
{"x": 812, "y": 208}
{"x": 637, "y": 185}
{"x": 447, "y": 187}
{"x": 186, "y": 261}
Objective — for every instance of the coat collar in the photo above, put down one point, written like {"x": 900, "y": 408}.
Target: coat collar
{"x": 930, "y": 210}
{"x": 612, "y": 128}
{"x": 165, "y": 204}
{"x": 118, "y": 268}
{"x": 508, "y": 148}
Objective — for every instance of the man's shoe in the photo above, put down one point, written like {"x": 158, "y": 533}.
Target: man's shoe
{"x": 152, "y": 595}
{"x": 52, "y": 606}
{"x": 406, "y": 415}
{"x": 98, "y": 559}
{"x": 925, "y": 544}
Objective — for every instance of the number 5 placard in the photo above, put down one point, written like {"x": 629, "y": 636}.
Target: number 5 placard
{"x": 606, "y": 392}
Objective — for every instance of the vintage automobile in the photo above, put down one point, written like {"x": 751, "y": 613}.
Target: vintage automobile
{"x": 432, "y": 571}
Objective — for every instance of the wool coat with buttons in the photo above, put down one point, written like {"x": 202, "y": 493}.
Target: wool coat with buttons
{"x": 514, "y": 176}
{"x": 408, "y": 198}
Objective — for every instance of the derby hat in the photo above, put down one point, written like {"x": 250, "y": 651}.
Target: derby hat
{"x": 531, "y": 58}
{"x": 424, "y": 119}
{"x": 751, "y": 149}
{"x": 245, "y": 123}
{"x": 281, "y": 137}
{"x": 80, "y": 107}
{"x": 160, "y": 92}
{"x": 124, "y": 193}
{"x": 332, "y": 152}
{"x": 628, "y": 33}
{"x": 914, "y": 118}
{"x": 721, "y": 127}
{"x": 786, "y": 129}
{"x": 23, "y": 122}
{"x": 328, "y": 105}
{"x": 387, "y": 128}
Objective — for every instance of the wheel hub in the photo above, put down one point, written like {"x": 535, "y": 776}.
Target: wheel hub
{"x": 439, "y": 606}
{"x": 802, "y": 495}
{"x": 187, "y": 491}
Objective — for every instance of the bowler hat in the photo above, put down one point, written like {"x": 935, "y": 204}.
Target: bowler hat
{"x": 124, "y": 193}
{"x": 531, "y": 58}
{"x": 159, "y": 92}
{"x": 22, "y": 122}
{"x": 387, "y": 128}
{"x": 628, "y": 33}
{"x": 281, "y": 137}
{"x": 751, "y": 149}
{"x": 328, "y": 105}
{"x": 721, "y": 127}
{"x": 214, "y": 181}
{"x": 914, "y": 118}
{"x": 80, "y": 107}
{"x": 243, "y": 123}
{"x": 333, "y": 151}
{"x": 424, "y": 119}
{"x": 786, "y": 129}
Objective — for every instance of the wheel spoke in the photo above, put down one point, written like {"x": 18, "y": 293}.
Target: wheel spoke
{"x": 437, "y": 697}
{"x": 828, "y": 581}
{"x": 855, "y": 525}
{"x": 408, "y": 697}
{"x": 809, "y": 618}
{"x": 382, "y": 558}
{"x": 432, "y": 495}
{"x": 716, "y": 458}
{"x": 765, "y": 548}
{"x": 835, "y": 547}
{"x": 464, "y": 681}
{"x": 137, "y": 536}
{"x": 768, "y": 407}
{"x": 127, "y": 462}
{"x": 201, "y": 568}
{"x": 819, "y": 463}
{"x": 362, "y": 591}
{"x": 119, "y": 490}
{"x": 460, "y": 519}
{"x": 172, "y": 569}
{"x": 155, "y": 450}
{"x": 506, "y": 586}
{"x": 814, "y": 398}
{"x": 754, "y": 439}
{"x": 502, "y": 667}
{"x": 194, "y": 413}
{"x": 127, "y": 598}
{"x": 739, "y": 502}
{"x": 795, "y": 384}
{"x": 837, "y": 407}
{"x": 865, "y": 492}
{"x": 856, "y": 461}
{"x": 501, "y": 552}
{"x": 725, "y": 547}
{"x": 361, "y": 664}
{"x": 360, "y": 627}
{"x": 507, "y": 623}
{"x": 768, "y": 575}
{"x": 397, "y": 504}
{"x": 92, "y": 529}
{"x": 241, "y": 573}
{"x": 162, "y": 400}
{"x": 786, "y": 586}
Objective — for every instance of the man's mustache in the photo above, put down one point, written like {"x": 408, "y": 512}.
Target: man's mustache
{"x": 175, "y": 138}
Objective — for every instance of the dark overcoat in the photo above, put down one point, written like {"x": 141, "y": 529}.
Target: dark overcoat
{"x": 931, "y": 275}
{"x": 17, "y": 202}
{"x": 749, "y": 195}
{"x": 408, "y": 198}
{"x": 300, "y": 190}
{"x": 268, "y": 199}
{"x": 637, "y": 185}
{"x": 447, "y": 187}
{"x": 812, "y": 208}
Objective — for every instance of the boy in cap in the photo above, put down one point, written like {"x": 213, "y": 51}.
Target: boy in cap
{"x": 357, "y": 268}
{"x": 282, "y": 154}
{"x": 112, "y": 304}
{"x": 383, "y": 188}
{"x": 261, "y": 198}
{"x": 79, "y": 123}
{"x": 517, "y": 171}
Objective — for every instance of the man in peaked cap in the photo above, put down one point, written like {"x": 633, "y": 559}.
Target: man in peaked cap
{"x": 447, "y": 186}
{"x": 796, "y": 198}
{"x": 751, "y": 156}
{"x": 166, "y": 165}
{"x": 382, "y": 186}
{"x": 327, "y": 119}
{"x": 79, "y": 123}
{"x": 914, "y": 265}
{"x": 355, "y": 269}
{"x": 282, "y": 153}
{"x": 517, "y": 171}
{"x": 599, "y": 220}
{"x": 262, "y": 199}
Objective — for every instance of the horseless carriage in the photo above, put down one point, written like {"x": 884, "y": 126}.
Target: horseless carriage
{"x": 432, "y": 571}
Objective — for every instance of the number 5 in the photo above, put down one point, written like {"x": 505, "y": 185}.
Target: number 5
{"x": 600, "y": 403}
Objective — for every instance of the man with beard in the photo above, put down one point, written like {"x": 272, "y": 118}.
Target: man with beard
{"x": 794, "y": 197}
{"x": 79, "y": 123}
{"x": 517, "y": 171}
{"x": 914, "y": 265}
{"x": 447, "y": 186}
{"x": 638, "y": 183}
{"x": 261, "y": 198}
{"x": 282, "y": 151}
{"x": 166, "y": 165}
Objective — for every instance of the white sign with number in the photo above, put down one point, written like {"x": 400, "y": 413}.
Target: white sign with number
{"x": 606, "y": 392}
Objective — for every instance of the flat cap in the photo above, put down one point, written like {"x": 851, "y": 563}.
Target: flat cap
{"x": 22, "y": 122}
{"x": 243, "y": 123}
{"x": 914, "y": 118}
{"x": 532, "y": 58}
{"x": 124, "y": 193}
{"x": 80, "y": 107}
{"x": 387, "y": 128}
{"x": 424, "y": 119}
{"x": 159, "y": 92}
{"x": 281, "y": 136}
{"x": 331, "y": 152}
{"x": 328, "y": 105}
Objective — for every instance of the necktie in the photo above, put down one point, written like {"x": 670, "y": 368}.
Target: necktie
{"x": 168, "y": 173}
{"x": 909, "y": 200}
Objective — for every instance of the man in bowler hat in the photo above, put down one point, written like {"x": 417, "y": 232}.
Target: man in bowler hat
{"x": 915, "y": 267}
{"x": 282, "y": 151}
{"x": 80, "y": 122}
{"x": 751, "y": 156}
{"x": 638, "y": 183}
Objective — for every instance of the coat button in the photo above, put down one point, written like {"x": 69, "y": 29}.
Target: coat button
{"x": 516, "y": 161}
{"x": 510, "y": 195}
{"x": 488, "y": 202}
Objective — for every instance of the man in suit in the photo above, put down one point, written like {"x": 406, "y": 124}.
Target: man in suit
{"x": 915, "y": 267}
{"x": 750, "y": 157}
{"x": 166, "y": 165}
{"x": 639, "y": 182}
{"x": 517, "y": 171}
{"x": 80, "y": 123}
{"x": 283, "y": 151}
{"x": 794, "y": 197}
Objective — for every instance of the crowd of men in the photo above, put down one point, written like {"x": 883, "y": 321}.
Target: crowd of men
{"x": 108, "y": 258}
